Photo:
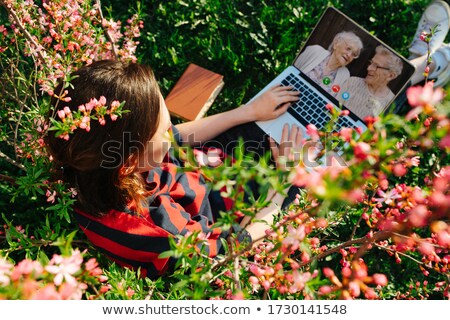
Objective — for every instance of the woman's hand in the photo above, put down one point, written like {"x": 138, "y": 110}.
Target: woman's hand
{"x": 272, "y": 103}
{"x": 290, "y": 147}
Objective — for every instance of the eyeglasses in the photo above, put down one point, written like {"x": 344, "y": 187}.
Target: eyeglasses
{"x": 354, "y": 52}
{"x": 376, "y": 66}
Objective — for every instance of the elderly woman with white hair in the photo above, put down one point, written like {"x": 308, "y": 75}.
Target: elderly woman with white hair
{"x": 369, "y": 96}
{"x": 328, "y": 67}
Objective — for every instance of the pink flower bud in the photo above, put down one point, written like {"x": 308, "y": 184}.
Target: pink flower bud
{"x": 426, "y": 248}
{"x": 328, "y": 272}
{"x": 257, "y": 271}
{"x": 253, "y": 280}
{"x": 67, "y": 110}
{"x": 114, "y": 117}
{"x": 325, "y": 290}
{"x": 380, "y": 279}
{"x": 115, "y": 104}
{"x": 346, "y": 272}
{"x": 361, "y": 150}
{"x": 266, "y": 284}
{"x": 354, "y": 289}
{"x": 61, "y": 114}
{"x": 399, "y": 170}
{"x": 82, "y": 108}
{"x": 102, "y": 100}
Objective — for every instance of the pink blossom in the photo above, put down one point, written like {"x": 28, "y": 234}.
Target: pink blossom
{"x": 414, "y": 161}
{"x": 295, "y": 237}
{"x": 380, "y": 279}
{"x": 5, "y": 271}
{"x": 421, "y": 96}
{"x": 361, "y": 150}
{"x": 257, "y": 271}
{"x": 399, "y": 170}
{"x": 442, "y": 237}
{"x": 370, "y": 294}
{"x": 102, "y": 101}
{"x": 214, "y": 156}
{"x": 201, "y": 158}
{"x": 346, "y": 134}
{"x": 445, "y": 142}
{"x": 68, "y": 291}
{"x": 423, "y": 36}
{"x": 115, "y": 104}
{"x": 328, "y": 272}
{"x": 61, "y": 114}
{"x": 91, "y": 104}
{"x": 130, "y": 292}
{"x": 387, "y": 197}
{"x": 426, "y": 248}
{"x": 299, "y": 281}
{"x": 92, "y": 267}
{"x": 64, "y": 268}
{"x": 354, "y": 289}
{"x": 27, "y": 267}
{"x": 418, "y": 216}
{"x": 344, "y": 112}
{"x": 312, "y": 131}
{"x": 50, "y": 196}
{"x": 325, "y": 290}
{"x": 49, "y": 292}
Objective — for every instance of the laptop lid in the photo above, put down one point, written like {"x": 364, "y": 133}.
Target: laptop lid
{"x": 370, "y": 73}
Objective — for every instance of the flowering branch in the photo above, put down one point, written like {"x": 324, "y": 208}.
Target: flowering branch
{"x": 25, "y": 31}
{"x": 108, "y": 36}
{"x": 381, "y": 235}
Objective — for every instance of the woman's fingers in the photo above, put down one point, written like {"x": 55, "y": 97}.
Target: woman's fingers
{"x": 274, "y": 148}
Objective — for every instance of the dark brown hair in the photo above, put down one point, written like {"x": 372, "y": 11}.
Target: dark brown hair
{"x": 99, "y": 163}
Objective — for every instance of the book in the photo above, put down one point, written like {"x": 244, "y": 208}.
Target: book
{"x": 193, "y": 94}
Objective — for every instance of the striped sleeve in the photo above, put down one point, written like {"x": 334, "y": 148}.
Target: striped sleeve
{"x": 129, "y": 240}
{"x": 182, "y": 205}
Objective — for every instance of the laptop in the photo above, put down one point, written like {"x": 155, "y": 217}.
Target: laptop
{"x": 345, "y": 88}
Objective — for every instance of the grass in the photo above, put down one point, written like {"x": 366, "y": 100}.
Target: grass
{"x": 250, "y": 42}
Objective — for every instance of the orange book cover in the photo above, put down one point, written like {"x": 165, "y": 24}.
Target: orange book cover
{"x": 194, "y": 92}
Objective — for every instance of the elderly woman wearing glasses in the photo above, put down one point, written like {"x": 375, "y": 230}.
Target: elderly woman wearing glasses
{"x": 328, "y": 67}
{"x": 369, "y": 96}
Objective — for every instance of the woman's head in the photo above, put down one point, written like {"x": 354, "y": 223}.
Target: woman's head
{"x": 384, "y": 67}
{"x": 103, "y": 162}
{"x": 345, "y": 47}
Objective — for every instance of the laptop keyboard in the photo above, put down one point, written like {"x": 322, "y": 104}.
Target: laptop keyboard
{"x": 310, "y": 109}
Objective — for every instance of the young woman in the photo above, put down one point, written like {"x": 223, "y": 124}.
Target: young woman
{"x": 130, "y": 199}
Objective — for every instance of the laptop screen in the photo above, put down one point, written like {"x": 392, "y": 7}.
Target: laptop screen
{"x": 358, "y": 70}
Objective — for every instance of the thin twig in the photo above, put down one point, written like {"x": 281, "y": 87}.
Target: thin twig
{"x": 236, "y": 273}
{"x": 108, "y": 36}
{"x": 403, "y": 254}
{"x": 12, "y": 161}
{"x": 379, "y": 236}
